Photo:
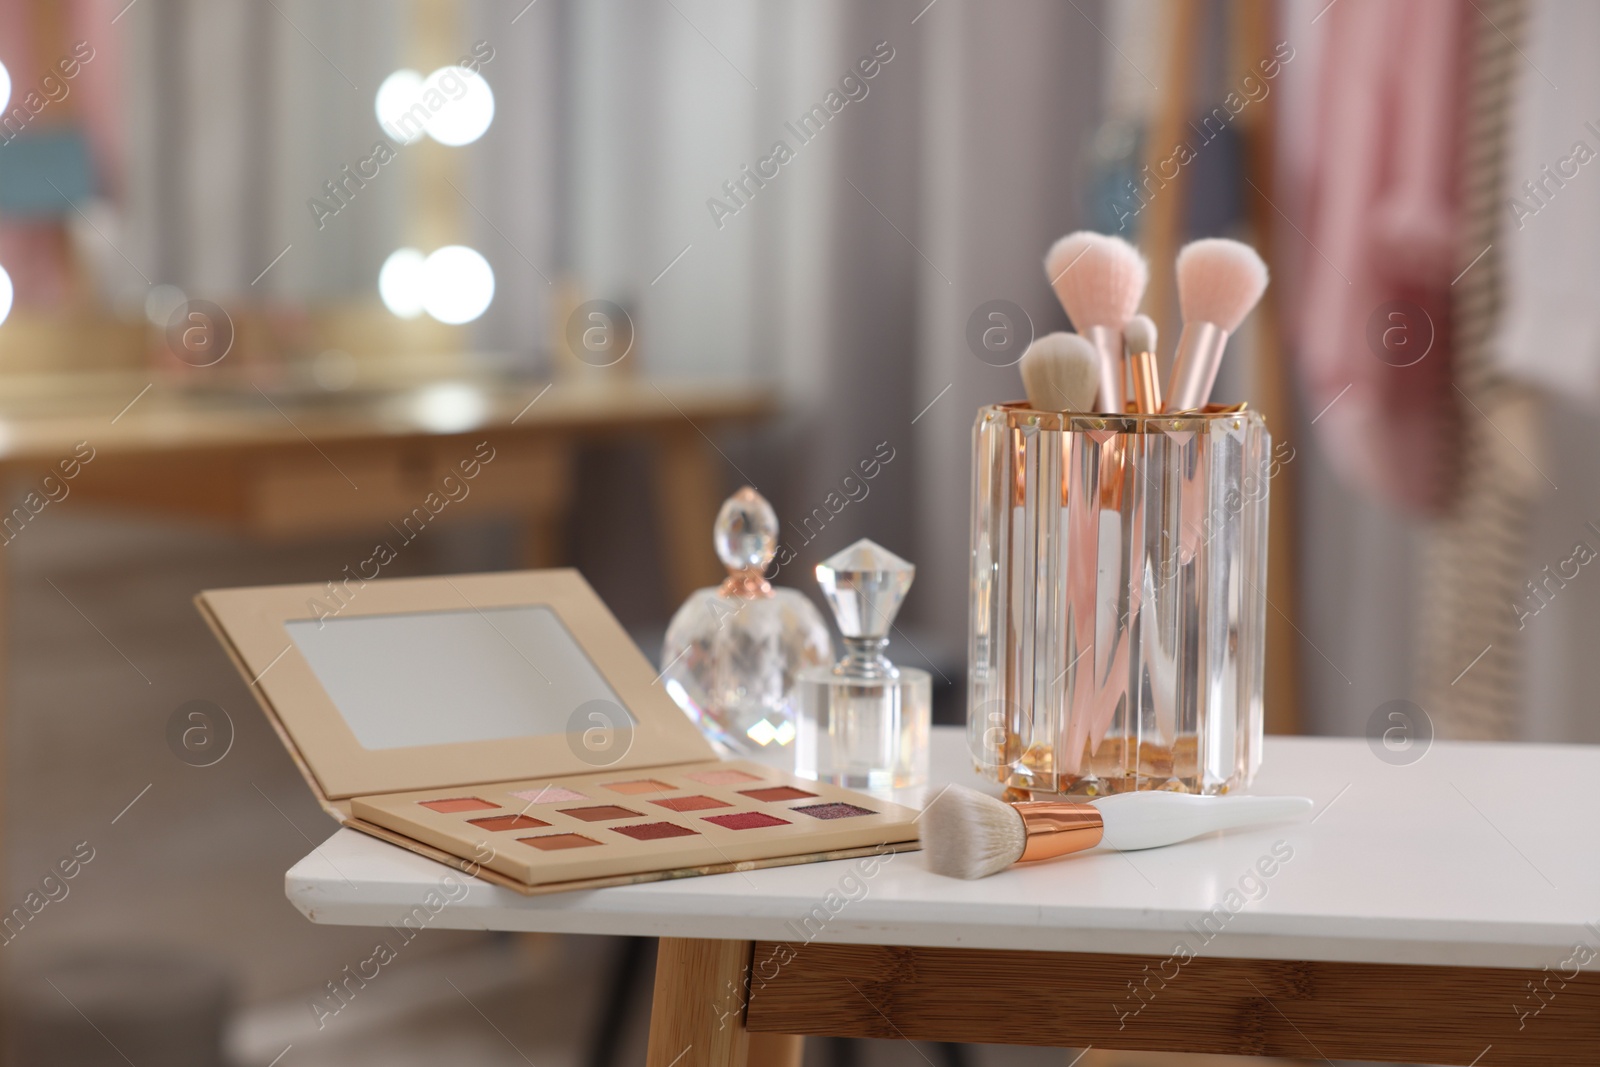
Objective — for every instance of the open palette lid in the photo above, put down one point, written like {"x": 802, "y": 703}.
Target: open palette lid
{"x": 423, "y": 683}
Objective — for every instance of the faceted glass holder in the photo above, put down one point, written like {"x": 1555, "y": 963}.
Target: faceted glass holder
{"x": 1117, "y": 600}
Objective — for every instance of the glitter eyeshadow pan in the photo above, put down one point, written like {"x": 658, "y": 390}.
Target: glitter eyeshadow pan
{"x": 550, "y": 794}
{"x": 836, "y": 810}
{"x": 777, "y": 792}
{"x": 556, "y": 842}
{"x": 601, "y": 813}
{"x": 509, "y": 822}
{"x": 654, "y": 831}
{"x": 694, "y": 803}
{"x": 450, "y": 805}
{"x": 746, "y": 820}
{"x": 724, "y": 777}
{"x": 643, "y": 785}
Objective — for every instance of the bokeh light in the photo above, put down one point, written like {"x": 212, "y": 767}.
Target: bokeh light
{"x": 457, "y": 284}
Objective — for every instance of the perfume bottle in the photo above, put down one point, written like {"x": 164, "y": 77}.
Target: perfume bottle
{"x": 864, "y": 722}
{"x": 733, "y": 652}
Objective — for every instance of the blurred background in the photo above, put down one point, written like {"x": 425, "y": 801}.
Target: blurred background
{"x": 273, "y": 267}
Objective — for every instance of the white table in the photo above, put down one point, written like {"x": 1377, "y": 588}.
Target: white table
{"x": 1406, "y": 923}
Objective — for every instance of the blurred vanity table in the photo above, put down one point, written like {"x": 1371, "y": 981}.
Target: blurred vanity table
{"x": 281, "y": 463}
{"x": 1426, "y": 913}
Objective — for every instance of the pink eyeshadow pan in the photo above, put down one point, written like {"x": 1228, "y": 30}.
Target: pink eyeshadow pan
{"x": 724, "y": 777}
{"x": 550, "y": 794}
{"x": 654, "y": 831}
{"x": 643, "y": 785}
{"x": 454, "y": 804}
{"x": 746, "y": 820}
{"x": 778, "y": 792}
{"x": 555, "y": 842}
{"x": 509, "y": 822}
{"x": 695, "y": 803}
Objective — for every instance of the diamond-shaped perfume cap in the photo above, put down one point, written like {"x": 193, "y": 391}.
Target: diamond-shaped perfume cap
{"x": 865, "y": 584}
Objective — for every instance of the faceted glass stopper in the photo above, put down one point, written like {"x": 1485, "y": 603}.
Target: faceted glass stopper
{"x": 865, "y": 584}
{"x": 746, "y": 532}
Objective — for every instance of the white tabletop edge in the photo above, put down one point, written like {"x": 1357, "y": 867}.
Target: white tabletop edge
{"x": 1399, "y": 868}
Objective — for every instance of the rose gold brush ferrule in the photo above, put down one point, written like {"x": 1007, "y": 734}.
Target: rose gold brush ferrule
{"x": 1108, "y": 343}
{"x": 1057, "y": 827}
{"x": 1146, "y": 382}
{"x": 1194, "y": 367}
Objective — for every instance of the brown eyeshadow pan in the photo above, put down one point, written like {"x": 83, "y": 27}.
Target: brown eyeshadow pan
{"x": 747, "y": 820}
{"x": 834, "y": 810}
{"x": 509, "y": 822}
{"x": 777, "y": 792}
{"x": 723, "y": 777}
{"x": 601, "y": 813}
{"x": 694, "y": 803}
{"x": 642, "y": 785}
{"x": 655, "y": 831}
{"x": 454, "y": 804}
{"x": 556, "y": 842}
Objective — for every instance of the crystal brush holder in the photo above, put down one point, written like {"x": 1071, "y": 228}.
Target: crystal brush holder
{"x": 1117, "y": 604}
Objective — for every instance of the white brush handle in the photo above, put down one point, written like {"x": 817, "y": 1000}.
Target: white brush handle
{"x": 1149, "y": 819}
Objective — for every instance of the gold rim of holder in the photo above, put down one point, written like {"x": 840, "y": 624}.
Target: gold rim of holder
{"x": 1018, "y": 415}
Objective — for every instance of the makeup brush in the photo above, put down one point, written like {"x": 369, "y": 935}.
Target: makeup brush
{"x": 1140, "y": 334}
{"x": 1061, "y": 372}
{"x": 968, "y": 834}
{"x": 1100, "y": 280}
{"x": 1219, "y": 282}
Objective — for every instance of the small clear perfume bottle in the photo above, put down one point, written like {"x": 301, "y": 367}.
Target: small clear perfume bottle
{"x": 864, "y": 722}
{"x": 733, "y": 652}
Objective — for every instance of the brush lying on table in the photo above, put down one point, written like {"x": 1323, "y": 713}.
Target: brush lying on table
{"x": 968, "y": 834}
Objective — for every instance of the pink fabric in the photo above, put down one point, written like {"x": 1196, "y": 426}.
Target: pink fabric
{"x": 35, "y": 253}
{"x": 1383, "y": 219}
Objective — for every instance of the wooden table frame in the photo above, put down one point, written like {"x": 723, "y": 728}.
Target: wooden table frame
{"x": 730, "y": 1003}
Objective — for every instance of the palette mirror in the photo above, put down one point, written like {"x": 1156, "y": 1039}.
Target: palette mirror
{"x": 444, "y": 677}
{"x": 412, "y": 683}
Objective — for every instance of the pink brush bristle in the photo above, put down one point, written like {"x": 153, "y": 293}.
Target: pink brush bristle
{"x": 1219, "y": 281}
{"x": 1099, "y": 279}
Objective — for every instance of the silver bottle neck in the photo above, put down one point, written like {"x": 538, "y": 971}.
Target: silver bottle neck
{"x": 864, "y": 658}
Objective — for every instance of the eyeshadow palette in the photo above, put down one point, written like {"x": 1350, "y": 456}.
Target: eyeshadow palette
{"x": 606, "y": 825}
{"x": 507, "y": 725}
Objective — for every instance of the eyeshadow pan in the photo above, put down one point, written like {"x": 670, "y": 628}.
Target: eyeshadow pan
{"x": 600, "y": 813}
{"x": 694, "y": 803}
{"x": 746, "y": 820}
{"x": 509, "y": 822}
{"x": 555, "y": 842}
{"x": 642, "y": 785}
{"x": 777, "y": 792}
{"x": 653, "y": 831}
{"x": 550, "y": 794}
{"x": 726, "y": 777}
{"x": 454, "y": 804}
{"x": 835, "y": 810}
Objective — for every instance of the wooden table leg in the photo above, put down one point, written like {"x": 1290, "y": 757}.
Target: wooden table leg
{"x": 687, "y": 499}
{"x": 697, "y": 1015}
